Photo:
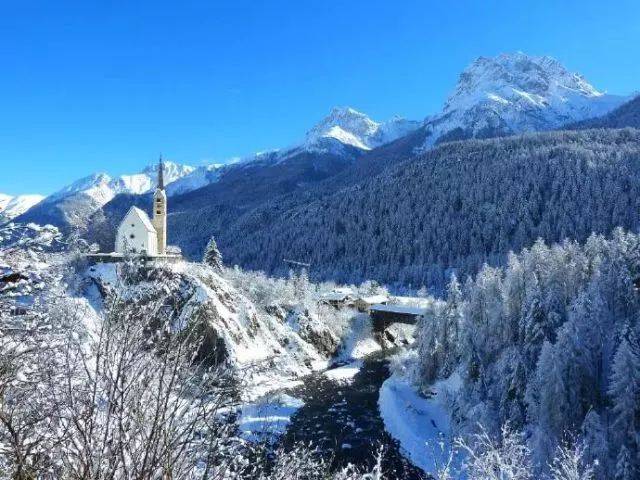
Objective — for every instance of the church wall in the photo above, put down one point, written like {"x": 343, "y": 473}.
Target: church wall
{"x": 134, "y": 237}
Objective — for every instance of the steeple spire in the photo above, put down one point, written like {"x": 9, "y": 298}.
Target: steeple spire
{"x": 160, "y": 174}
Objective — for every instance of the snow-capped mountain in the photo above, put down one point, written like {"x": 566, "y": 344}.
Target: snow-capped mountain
{"x": 344, "y": 133}
{"x": 11, "y": 207}
{"x": 351, "y": 127}
{"x": 73, "y": 204}
{"x": 198, "y": 178}
{"x": 514, "y": 93}
{"x": 102, "y": 188}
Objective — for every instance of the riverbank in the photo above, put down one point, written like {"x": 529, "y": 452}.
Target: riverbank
{"x": 421, "y": 425}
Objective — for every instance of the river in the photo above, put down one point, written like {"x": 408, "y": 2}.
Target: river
{"x": 343, "y": 421}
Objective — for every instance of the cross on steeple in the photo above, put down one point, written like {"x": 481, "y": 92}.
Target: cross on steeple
{"x": 160, "y": 175}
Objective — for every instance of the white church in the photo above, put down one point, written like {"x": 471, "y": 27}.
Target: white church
{"x": 139, "y": 235}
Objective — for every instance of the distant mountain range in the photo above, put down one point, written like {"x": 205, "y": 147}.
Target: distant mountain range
{"x": 494, "y": 97}
{"x": 73, "y": 204}
{"x": 11, "y": 207}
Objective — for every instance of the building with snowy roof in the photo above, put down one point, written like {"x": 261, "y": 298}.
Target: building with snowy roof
{"x": 384, "y": 315}
{"x": 136, "y": 234}
{"x": 140, "y": 235}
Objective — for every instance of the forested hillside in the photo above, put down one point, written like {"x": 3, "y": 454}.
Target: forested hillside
{"x": 453, "y": 208}
{"x": 197, "y": 215}
{"x": 549, "y": 345}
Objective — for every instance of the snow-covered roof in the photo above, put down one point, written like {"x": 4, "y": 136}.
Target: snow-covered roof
{"x": 371, "y": 299}
{"x": 398, "y": 309}
{"x": 412, "y": 301}
{"x": 142, "y": 216}
{"x": 334, "y": 296}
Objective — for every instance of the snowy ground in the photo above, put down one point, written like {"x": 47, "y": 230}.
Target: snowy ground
{"x": 267, "y": 418}
{"x": 344, "y": 374}
{"x": 421, "y": 425}
{"x": 358, "y": 341}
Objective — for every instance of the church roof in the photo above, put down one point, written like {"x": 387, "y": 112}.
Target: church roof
{"x": 144, "y": 218}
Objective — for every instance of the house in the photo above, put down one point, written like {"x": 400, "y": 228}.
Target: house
{"x": 363, "y": 304}
{"x": 337, "y": 299}
{"x": 384, "y": 315}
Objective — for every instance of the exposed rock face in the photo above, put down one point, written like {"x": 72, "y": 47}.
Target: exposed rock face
{"x": 314, "y": 332}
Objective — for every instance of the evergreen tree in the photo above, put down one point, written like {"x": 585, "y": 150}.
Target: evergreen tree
{"x": 212, "y": 256}
{"x": 593, "y": 439}
{"x": 624, "y": 465}
{"x": 624, "y": 388}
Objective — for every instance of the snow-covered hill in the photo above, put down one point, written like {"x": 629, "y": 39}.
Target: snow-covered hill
{"x": 11, "y": 207}
{"x": 514, "y": 93}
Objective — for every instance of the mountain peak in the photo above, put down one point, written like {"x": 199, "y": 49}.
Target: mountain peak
{"x": 533, "y": 79}
{"x": 352, "y": 127}
{"x": 513, "y": 93}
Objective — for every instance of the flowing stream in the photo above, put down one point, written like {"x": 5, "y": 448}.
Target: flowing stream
{"x": 343, "y": 420}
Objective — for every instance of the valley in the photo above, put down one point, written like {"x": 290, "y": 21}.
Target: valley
{"x": 224, "y": 321}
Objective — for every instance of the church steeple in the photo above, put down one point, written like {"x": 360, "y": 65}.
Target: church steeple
{"x": 160, "y": 174}
{"x": 160, "y": 211}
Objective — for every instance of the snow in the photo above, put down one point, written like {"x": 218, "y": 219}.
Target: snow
{"x": 373, "y": 299}
{"x": 421, "y": 425}
{"x": 334, "y": 296}
{"x": 101, "y": 188}
{"x": 200, "y": 177}
{"x": 351, "y": 127}
{"x": 268, "y": 418}
{"x": 421, "y": 302}
{"x": 105, "y": 272}
{"x": 269, "y": 354}
{"x": 358, "y": 342}
{"x": 344, "y": 374}
{"x": 514, "y": 93}
{"x": 11, "y": 207}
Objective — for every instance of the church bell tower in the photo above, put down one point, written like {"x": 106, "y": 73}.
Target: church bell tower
{"x": 160, "y": 211}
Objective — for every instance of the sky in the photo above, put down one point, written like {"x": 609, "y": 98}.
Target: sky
{"x": 108, "y": 86}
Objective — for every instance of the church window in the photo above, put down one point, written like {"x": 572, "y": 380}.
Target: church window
{"x": 158, "y": 212}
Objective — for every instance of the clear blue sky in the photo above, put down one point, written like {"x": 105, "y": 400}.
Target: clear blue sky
{"x": 106, "y": 86}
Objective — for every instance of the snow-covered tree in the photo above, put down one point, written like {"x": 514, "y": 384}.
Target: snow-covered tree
{"x": 595, "y": 448}
{"x": 505, "y": 458}
{"x": 212, "y": 255}
{"x": 625, "y": 465}
{"x": 624, "y": 389}
{"x": 568, "y": 464}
